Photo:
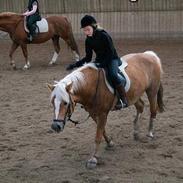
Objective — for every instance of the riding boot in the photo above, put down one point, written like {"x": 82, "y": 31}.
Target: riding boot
{"x": 32, "y": 32}
{"x": 30, "y": 38}
{"x": 122, "y": 102}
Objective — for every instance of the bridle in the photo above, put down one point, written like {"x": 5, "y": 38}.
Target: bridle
{"x": 68, "y": 114}
{"x": 94, "y": 103}
{"x": 96, "y": 92}
{"x": 70, "y": 108}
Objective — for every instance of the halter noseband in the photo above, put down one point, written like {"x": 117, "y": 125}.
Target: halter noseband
{"x": 59, "y": 120}
{"x": 68, "y": 115}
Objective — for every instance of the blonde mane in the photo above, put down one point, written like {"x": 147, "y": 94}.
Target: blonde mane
{"x": 77, "y": 79}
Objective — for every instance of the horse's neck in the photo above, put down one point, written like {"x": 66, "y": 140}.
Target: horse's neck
{"x": 9, "y": 24}
{"x": 88, "y": 93}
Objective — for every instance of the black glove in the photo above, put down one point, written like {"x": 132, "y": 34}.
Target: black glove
{"x": 70, "y": 67}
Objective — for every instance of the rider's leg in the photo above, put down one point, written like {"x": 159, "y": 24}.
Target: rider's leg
{"x": 31, "y": 26}
{"x": 118, "y": 81}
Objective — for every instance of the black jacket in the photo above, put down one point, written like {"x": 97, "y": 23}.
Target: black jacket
{"x": 102, "y": 44}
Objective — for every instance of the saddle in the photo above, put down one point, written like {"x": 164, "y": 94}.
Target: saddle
{"x": 41, "y": 26}
{"x": 121, "y": 73}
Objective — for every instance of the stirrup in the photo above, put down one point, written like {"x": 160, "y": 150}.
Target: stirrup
{"x": 123, "y": 105}
{"x": 120, "y": 105}
{"x": 30, "y": 38}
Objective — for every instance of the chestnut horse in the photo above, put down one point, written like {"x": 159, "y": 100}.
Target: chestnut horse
{"x": 87, "y": 86}
{"x": 58, "y": 26}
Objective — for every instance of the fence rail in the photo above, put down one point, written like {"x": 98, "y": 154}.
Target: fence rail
{"x": 144, "y": 19}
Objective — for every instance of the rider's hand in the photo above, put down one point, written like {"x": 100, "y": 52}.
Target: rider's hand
{"x": 70, "y": 67}
{"x": 25, "y": 14}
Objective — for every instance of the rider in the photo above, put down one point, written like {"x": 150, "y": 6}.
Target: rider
{"x": 99, "y": 41}
{"x": 32, "y": 15}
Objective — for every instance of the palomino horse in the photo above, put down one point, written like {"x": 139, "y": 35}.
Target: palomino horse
{"x": 58, "y": 26}
{"x": 87, "y": 86}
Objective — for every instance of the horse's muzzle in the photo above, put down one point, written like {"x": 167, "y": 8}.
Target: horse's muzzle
{"x": 58, "y": 125}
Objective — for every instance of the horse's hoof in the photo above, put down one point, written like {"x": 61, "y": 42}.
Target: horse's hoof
{"x": 110, "y": 145}
{"x": 26, "y": 67}
{"x": 150, "y": 135}
{"x": 51, "y": 63}
{"x": 91, "y": 163}
{"x": 13, "y": 66}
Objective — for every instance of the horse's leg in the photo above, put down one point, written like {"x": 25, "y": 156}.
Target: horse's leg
{"x": 72, "y": 44}
{"x": 108, "y": 139}
{"x": 14, "y": 46}
{"x": 101, "y": 122}
{"x": 139, "y": 108}
{"x": 152, "y": 96}
{"x": 56, "y": 45}
{"x": 25, "y": 53}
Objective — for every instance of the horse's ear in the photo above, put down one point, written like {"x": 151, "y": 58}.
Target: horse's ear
{"x": 68, "y": 87}
{"x": 50, "y": 87}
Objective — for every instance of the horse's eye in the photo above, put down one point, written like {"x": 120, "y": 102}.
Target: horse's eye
{"x": 65, "y": 103}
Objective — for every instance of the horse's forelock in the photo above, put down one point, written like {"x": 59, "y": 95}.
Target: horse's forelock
{"x": 77, "y": 80}
{"x": 60, "y": 92}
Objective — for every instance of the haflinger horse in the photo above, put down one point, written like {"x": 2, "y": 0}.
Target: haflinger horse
{"x": 57, "y": 26}
{"x": 87, "y": 86}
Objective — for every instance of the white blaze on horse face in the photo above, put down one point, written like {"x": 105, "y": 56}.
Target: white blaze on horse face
{"x": 57, "y": 107}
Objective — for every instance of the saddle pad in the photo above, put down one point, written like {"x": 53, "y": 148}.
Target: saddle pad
{"x": 42, "y": 24}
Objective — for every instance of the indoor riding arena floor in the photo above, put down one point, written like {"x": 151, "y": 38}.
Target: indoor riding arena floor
{"x": 30, "y": 152}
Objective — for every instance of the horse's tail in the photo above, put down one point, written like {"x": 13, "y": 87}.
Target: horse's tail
{"x": 160, "y": 99}
{"x": 71, "y": 41}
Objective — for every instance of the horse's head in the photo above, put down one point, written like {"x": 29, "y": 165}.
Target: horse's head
{"x": 64, "y": 96}
{"x": 63, "y": 104}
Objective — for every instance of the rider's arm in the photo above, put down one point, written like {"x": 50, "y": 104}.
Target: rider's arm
{"x": 28, "y": 13}
{"x": 88, "y": 56}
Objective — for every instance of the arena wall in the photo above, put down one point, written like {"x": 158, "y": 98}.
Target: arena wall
{"x": 144, "y": 19}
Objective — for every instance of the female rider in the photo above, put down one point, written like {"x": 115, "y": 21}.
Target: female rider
{"x": 32, "y": 15}
{"x": 99, "y": 41}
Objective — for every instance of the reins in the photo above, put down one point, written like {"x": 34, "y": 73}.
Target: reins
{"x": 94, "y": 104}
{"x": 95, "y": 96}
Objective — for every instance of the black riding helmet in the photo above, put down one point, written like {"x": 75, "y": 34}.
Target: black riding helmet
{"x": 88, "y": 20}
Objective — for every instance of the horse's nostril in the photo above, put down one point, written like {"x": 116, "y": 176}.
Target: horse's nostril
{"x": 57, "y": 126}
